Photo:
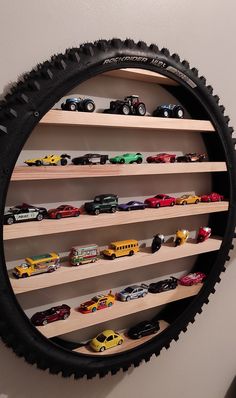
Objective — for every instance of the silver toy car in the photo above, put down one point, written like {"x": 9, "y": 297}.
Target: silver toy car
{"x": 132, "y": 292}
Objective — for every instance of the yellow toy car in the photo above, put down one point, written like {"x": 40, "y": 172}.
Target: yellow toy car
{"x": 98, "y": 302}
{"x": 181, "y": 236}
{"x": 121, "y": 248}
{"x": 188, "y": 199}
{"x": 49, "y": 160}
{"x": 35, "y": 265}
{"x": 106, "y": 339}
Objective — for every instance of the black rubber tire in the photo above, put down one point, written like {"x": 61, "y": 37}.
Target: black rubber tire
{"x": 63, "y": 162}
{"x": 21, "y": 110}
{"x": 89, "y": 106}
{"x": 125, "y": 109}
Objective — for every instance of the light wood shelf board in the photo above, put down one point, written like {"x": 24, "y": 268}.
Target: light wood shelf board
{"x": 68, "y": 274}
{"x": 86, "y": 221}
{"x": 141, "y": 75}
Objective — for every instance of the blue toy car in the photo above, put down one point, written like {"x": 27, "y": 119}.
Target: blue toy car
{"x": 132, "y": 292}
{"x": 132, "y": 205}
{"x": 78, "y": 104}
{"x": 169, "y": 110}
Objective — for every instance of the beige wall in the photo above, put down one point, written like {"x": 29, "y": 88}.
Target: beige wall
{"x": 202, "y": 363}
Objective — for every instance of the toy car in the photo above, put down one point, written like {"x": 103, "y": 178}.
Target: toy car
{"x": 192, "y": 279}
{"x": 181, "y": 237}
{"x": 106, "y": 339}
{"x": 212, "y": 197}
{"x": 188, "y": 199}
{"x": 64, "y": 211}
{"x": 129, "y": 106}
{"x": 132, "y": 205}
{"x": 203, "y": 234}
{"x": 157, "y": 242}
{"x": 78, "y": 104}
{"x": 144, "y": 328}
{"x": 132, "y": 292}
{"x": 127, "y": 158}
{"x": 35, "y": 265}
{"x": 121, "y": 248}
{"x": 24, "y": 212}
{"x": 49, "y": 160}
{"x": 84, "y": 254}
{"x": 191, "y": 157}
{"x": 169, "y": 110}
{"x": 163, "y": 286}
{"x": 161, "y": 158}
{"x": 102, "y": 204}
{"x": 90, "y": 158}
{"x": 160, "y": 200}
{"x": 53, "y": 314}
{"x": 98, "y": 302}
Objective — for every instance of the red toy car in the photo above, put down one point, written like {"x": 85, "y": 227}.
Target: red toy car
{"x": 212, "y": 197}
{"x": 51, "y": 315}
{"x": 64, "y": 211}
{"x": 160, "y": 200}
{"x": 162, "y": 158}
{"x": 203, "y": 234}
{"x": 192, "y": 279}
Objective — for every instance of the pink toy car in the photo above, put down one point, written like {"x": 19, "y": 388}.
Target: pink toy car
{"x": 212, "y": 197}
{"x": 192, "y": 279}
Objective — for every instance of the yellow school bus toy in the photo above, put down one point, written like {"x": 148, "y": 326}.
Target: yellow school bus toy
{"x": 121, "y": 248}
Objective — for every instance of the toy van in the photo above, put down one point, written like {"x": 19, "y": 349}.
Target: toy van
{"x": 48, "y": 262}
{"x": 84, "y": 254}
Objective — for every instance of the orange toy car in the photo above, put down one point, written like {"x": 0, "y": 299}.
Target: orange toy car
{"x": 98, "y": 302}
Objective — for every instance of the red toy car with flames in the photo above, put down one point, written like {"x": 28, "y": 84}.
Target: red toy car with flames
{"x": 64, "y": 211}
{"x": 212, "y": 197}
{"x": 192, "y": 279}
{"x": 160, "y": 200}
{"x": 162, "y": 158}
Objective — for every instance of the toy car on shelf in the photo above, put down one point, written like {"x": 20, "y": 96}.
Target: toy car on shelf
{"x": 181, "y": 237}
{"x": 162, "y": 158}
{"x": 191, "y": 157}
{"x": 188, "y": 199}
{"x": 192, "y": 279}
{"x": 84, "y": 254}
{"x": 63, "y": 211}
{"x": 132, "y": 205}
{"x": 102, "y": 204}
{"x": 35, "y": 265}
{"x": 212, "y": 197}
{"x": 53, "y": 314}
{"x": 127, "y": 158}
{"x": 78, "y": 104}
{"x": 157, "y": 241}
{"x": 49, "y": 160}
{"x": 105, "y": 340}
{"x": 163, "y": 286}
{"x": 129, "y": 106}
{"x": 121, "y": 248}
{"x": 144, "y": 328}
{"x": 204, "y": 233}
{"x": 98, "y": 302}
{"x": 24, "y": 212}
{"x": 169, "y": 110}
{"x": 90, "y": 158}
{"x": 132, "y": 292}
{"x": 160, "y": 200}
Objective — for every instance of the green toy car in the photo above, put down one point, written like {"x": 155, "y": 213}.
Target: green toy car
{"x": 127, "y": 158}
{"x": 102, "y": 204}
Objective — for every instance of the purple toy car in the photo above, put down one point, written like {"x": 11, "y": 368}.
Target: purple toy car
{"x": 133, "y": 205}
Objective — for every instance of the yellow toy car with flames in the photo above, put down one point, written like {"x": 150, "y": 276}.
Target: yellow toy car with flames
{"x": 188, "y": 199}
{"x": 49, "y": 160}
{"x": 106, "y": 339}
{"x": 99, "y": 302}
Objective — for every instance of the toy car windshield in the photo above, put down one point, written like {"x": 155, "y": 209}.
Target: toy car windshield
{"x": 128, "y": 290}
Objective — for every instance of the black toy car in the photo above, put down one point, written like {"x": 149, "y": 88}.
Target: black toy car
{"x": 142, "y": 329}
{"x": 102, "y": 204}
{"x": 24, "y": 212}
{"x": 169, "y": 110}
{"x": 157, "y": 242}
{"x": 78, "y": 104}
{"x": 163, "y": 286}
{"x": 90, "y": 158}
{"x": 191, "y": 157}
{"x": 129, "y": 106}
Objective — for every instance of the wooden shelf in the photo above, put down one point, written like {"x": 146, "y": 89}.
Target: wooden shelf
{"x": 128, "y": 344}
{"x": 67, "y": 118}
{"x": 78, "y": 321}
{"x": 68, "y": 274}
{"x": 85, "y": 221}
{"x": 141, "y": 75}
{"x": 26, "y": 173}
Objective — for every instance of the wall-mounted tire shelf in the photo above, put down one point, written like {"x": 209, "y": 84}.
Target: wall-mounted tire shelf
{"x": 29, "y": 103}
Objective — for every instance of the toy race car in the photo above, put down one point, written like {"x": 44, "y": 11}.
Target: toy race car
{"x": 129, "y": 106}
{"x": 162, "y": 158}
{"x": 90, "y": 158}
{"x": 144, "y": 328}
{"x": 163, "y": 286}
{"x": 191, "y": 157}
{"x": 204, "y": 233}
{"x": 102, "y": 204}
{"x": 188, "y": 199}
{"x": 132, "y": 205}
{"x": 160, "y": 200}
{"x": 49, "y": 160}
{"x": 24, "y": 212}
{"x": 98, "y": 302}
{"x": 64, "y": 211}
{"x": 127, "y": 158}
{"x": 78, "y": 104}
{"x": 51, "y": 315}
{"x": 181, "y": 237}
{"x": 192, "y": 279}
{"x": 212, "y": 197}
{"x": 169, "y": 110}
{"x": 106, "y": 339}
{"x": 132, "y": 292}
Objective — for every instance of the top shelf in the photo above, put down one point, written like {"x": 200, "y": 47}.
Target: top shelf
{"x": 141, "y": 75}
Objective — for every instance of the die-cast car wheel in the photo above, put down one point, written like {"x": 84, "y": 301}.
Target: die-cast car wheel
{"x": 141, "y": 110}
{"x": 39, "y": 217}
{"x": 10, "y": 221}
{"x": 125, "y": 109}
{"x": 89, "y": 106}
